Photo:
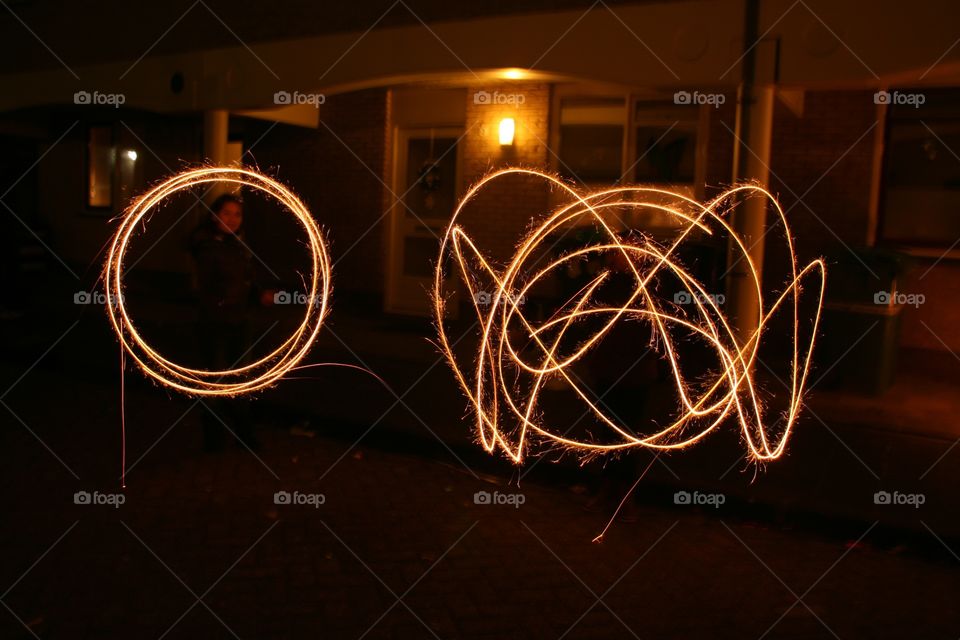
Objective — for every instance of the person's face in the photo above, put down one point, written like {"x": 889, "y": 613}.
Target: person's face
{"x": 230, "y": 217}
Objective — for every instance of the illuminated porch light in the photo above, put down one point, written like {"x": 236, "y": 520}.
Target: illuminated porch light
{"x": 507, "y": 127}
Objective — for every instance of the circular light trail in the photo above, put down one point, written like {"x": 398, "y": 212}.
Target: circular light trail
{"x": 251, "y": 377}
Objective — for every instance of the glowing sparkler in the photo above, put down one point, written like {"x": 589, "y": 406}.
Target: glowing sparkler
{"x": 518, "y": 355}
{"x": 256, "y": 375}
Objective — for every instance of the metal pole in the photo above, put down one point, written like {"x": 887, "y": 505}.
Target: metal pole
{"x": 751, "y": 160}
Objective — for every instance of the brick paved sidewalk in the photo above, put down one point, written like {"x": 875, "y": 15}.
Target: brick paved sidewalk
{"x": 398, "y": 549}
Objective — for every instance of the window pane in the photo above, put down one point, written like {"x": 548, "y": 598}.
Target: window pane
{"x": 922, "y": 183}
{"x": 666, "y": 143}
{"x": 591, "y": 152}
{"x": 591, "y": 139}
{"x": 665, "y": 155}
{"x": 101, "y": 157}
{"x": 432, "y": 167}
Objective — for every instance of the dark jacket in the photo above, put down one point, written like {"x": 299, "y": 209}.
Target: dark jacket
{"x": 224, "y": 273}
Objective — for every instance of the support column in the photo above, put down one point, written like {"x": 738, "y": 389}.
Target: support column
{"x": 216, "y": 127}
{"x": 751, "y": 163}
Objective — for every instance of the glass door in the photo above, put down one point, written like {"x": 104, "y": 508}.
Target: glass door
{"x": 426, "y": 186}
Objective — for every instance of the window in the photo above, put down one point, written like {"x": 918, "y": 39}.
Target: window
{"x": 648, "y": 140}
{"x": 113, "y": 172}
{"x": 665, "y": 143}
{"x": 101, "y": 164}
{"x": 921, "y": 188}
{"x": 591, "y": 139}
{"x": 655, "y": 142}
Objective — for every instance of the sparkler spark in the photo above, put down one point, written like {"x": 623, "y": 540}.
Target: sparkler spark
{"x": 504, "y": 382}
{"x": 228, "y": 382}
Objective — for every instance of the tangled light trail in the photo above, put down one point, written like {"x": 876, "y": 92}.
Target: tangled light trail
{"x": 245, "y": 379}
{"x": 504, "y": 382}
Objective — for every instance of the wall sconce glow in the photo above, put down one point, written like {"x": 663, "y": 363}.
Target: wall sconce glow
{"x": 507, "y": 127}
{"x": 132, "y": 155}
{"x": 514, "y": 74}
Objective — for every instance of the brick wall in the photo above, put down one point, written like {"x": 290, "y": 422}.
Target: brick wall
{"x": 339, "y": 171}
{"x": 826, "y": 154}
{"x": 501, "y": 214}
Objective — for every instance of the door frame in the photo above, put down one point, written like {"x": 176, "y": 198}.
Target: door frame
{"x": 393, "y": 300}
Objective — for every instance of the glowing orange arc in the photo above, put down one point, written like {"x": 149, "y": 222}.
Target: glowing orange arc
{"x": 251, "y": 377}
{"x": 504, "y": 387}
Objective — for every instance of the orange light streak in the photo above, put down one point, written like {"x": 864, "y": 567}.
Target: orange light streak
{"x": 504, "y": 387}
{"x": 228, "y": 382}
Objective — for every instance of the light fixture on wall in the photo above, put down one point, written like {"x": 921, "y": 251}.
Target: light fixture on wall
{"x": 131, "y": 155}
{"x": 507, "y": 127}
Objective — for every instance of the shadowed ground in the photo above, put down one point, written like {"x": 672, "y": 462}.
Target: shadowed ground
{"x": 398, "y": 526}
